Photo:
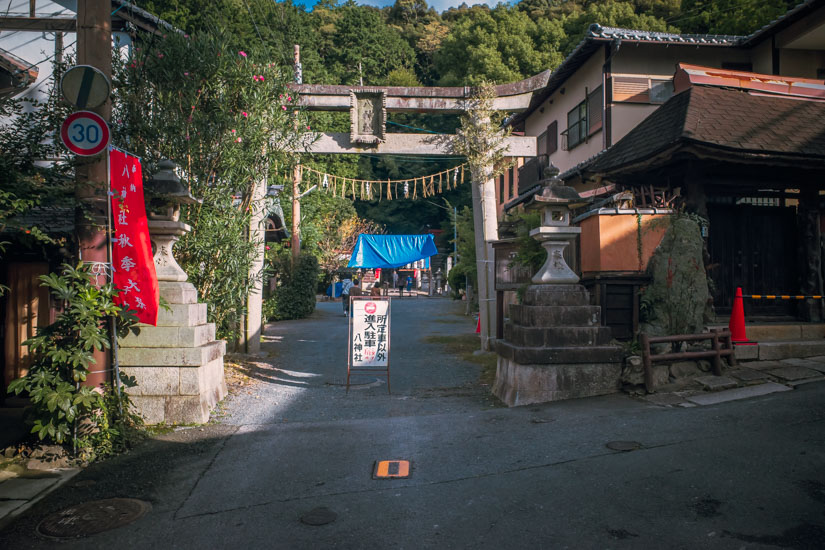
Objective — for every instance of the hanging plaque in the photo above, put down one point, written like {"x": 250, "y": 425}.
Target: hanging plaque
{"x": 368, "y": 115}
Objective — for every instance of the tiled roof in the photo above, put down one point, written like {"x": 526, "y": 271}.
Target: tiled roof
{"x": 597, "y": 31}
{"x": 725, "y": 120}
{"x": 53, "y": 220}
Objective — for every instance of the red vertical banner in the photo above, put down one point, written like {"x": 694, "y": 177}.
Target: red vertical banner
{"x": 132, "y": 263}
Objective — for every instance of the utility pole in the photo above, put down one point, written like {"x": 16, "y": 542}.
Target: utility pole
{"x": 296, "y": 179}
{"x": 94, "y": 47}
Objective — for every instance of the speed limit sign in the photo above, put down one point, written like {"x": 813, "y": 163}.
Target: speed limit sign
{"x": 85, "y": 133}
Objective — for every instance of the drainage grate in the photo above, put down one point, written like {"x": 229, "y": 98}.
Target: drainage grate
{"x": 93, "y": 517}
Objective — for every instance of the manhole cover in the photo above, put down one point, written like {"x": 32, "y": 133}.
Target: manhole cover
{"x": 93, "y": 517}
{"x": 319, "y": 516}
{"x": 624, "y": 445}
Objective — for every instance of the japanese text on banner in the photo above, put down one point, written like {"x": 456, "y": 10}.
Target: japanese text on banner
{"x": 132, "y": 263}
{"x": 370, "y": 333}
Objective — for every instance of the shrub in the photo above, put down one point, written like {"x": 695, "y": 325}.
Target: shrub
{"x": 294, "y": 297}
{"x": 64, "y": 410}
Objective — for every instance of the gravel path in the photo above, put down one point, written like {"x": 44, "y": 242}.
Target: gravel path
{"x": 302, "y": 369}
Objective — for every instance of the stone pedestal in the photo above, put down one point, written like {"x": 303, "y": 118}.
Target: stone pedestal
{"x": 554, "y": 348}
{"x": 178, "y": 364}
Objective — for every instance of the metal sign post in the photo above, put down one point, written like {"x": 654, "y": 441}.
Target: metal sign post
{"x": 369, "y": 337}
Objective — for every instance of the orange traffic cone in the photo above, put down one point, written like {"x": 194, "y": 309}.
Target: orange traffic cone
{"x": 737, "y": 321}
{"x": 478, "y": 325}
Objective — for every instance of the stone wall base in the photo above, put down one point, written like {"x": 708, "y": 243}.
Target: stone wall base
{"x": 177, "y": 395}
{"x": 519, "y": 384}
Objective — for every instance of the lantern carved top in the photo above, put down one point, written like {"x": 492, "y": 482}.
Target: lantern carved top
{"x": 166, "y": 192}
{"x": 555, "y": 192}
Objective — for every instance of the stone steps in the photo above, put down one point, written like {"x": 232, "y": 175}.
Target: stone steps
{"x": 556, "y": 295}
{"x": 567, "y": 354}
{"x": 170, "y": 337}
{"x": 556, "y": 336}
{"x": 555, "y": 316}
{"x": 172, "y": 357}
{"x": 770, "y": 351}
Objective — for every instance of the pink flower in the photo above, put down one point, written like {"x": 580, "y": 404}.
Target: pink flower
{"x": 238, "y": 140}
{"x": 160, "y": 56}
{"x": 245, "y": 114}
{"x": 261, "y": 77}
{"x": 185, "y": 74}
{"x": 186, "y": 36}
{"x": 267, "y": 248}
{"x": 281, "y": 96}
{"x": 283, "y": 107}
{"x": 242, "y": 53}
{"x": 233, "y": 130}
{"x": 289, "y": 98}
{"x": 307, "y": 127}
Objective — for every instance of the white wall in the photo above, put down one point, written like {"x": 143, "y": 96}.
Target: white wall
{"x": 559, "y": 104}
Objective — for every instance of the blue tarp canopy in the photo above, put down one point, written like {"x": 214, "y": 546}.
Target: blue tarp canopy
{"x": 388, "y": 251}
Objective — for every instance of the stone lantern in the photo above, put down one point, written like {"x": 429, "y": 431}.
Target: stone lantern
{"x": 178, "y": 364}
{"x": 555, "y": 202}
{"x": 554, "y": 346}
{"x": 165, "y": 193}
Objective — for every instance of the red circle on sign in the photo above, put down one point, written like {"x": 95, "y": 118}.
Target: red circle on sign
{"x": 370, "y": 307}
{"x": 85, "y": 133}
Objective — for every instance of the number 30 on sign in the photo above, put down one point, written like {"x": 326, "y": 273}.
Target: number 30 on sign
{"x": 85, "y": 133}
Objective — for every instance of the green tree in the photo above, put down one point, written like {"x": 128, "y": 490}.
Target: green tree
{"x": 611, "y": 13}
{"x": 28, "y": 135}
{"x": 499, "y": 45}
{"x": 730, "y": 16}
{"x": 359, "y": 43}
{"x": 227, "y": 121}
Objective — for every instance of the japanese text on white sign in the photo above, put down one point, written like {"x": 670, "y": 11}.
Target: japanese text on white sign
{"x": 370, "y": 341}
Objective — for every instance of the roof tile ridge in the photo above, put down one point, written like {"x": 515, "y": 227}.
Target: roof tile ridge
{"x": 597, "y": 30}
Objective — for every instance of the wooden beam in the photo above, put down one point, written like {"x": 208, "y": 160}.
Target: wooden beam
{"x": 407, "y": 144}
{"x": 38, "y": 24}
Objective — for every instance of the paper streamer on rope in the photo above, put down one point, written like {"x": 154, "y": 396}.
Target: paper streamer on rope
{"x": 368, "y": 189}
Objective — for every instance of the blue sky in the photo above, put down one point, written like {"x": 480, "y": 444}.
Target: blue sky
{"x": 439, "y": 5}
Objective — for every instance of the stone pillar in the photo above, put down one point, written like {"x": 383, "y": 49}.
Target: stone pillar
{"x": 810, "y": 254}
{"x": 485, "y": 226}
{"x": 254, "y": 305}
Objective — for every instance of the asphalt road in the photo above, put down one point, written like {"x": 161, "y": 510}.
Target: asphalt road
{"x": 745, "y": 474}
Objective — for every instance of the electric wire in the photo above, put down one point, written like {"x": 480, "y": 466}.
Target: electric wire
{"x": 411, "y": 127}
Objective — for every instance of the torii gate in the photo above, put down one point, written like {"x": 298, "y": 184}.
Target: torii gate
{"x": 368, "y": 106}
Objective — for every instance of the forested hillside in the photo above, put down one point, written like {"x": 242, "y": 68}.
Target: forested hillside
{"x": 411, "y": 44}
